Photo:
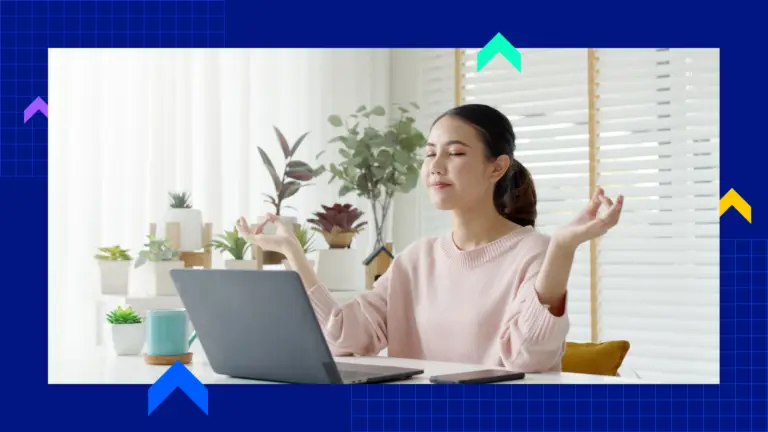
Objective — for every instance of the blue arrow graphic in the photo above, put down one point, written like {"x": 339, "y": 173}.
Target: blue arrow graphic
{"x": 178, "y": 376}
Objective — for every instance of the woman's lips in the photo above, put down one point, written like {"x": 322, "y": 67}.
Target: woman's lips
{"x": 440, "y": 185}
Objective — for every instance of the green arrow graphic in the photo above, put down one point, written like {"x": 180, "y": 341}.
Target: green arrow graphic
{"x": 499, "y": 45}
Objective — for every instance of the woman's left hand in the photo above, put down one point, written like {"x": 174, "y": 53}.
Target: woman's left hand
{"x": 588, "y": 224}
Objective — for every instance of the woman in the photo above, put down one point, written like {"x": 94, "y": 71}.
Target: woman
{"x": 492, "y": 291}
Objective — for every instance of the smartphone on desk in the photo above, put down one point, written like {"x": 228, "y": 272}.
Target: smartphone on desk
{"x": 487, "y": 376}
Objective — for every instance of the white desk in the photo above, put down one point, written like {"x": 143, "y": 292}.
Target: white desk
{"x": 101, "y": 366}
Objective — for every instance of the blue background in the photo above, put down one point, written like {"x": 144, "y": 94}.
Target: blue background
{"x": 28, "y": 28}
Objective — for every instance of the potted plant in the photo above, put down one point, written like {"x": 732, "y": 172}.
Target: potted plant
{"x": 128, "y": 332}
{"x": 294, "y": 176}
{"x": 376, "y": 163}
{"x": 237, "y": 247}
{"x": 306, "y": 238}
{"x": 190, "y": 220}
{"x": 159, "y": 258}
{"x": 339, "y": 224}
{"x": 114, "y": 269}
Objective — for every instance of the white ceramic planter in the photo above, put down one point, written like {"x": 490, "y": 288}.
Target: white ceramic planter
{"x": 128, "y": 339}
{"x": 191, "y": 228}
{"x": 246, "y": 264}
{"x": 115, "y": 276}
{"x": 340, "y": 269}
{"x": 154, "y": 279}
{"x": 270, "y": 228}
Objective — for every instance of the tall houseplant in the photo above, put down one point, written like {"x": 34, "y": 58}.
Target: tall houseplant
{"x": 377, "y": 163}
{"x": 295, "y": 172}
{"x": 295, "y": 175}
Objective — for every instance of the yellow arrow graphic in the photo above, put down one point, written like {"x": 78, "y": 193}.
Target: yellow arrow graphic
{"x": 733, "y": 199}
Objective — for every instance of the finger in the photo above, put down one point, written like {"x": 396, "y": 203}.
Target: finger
{"x": 594, "y": 204}
{"x": 611, "y": 217}
{"x": 243, "y": 227}
{"x": 260, "y": 227}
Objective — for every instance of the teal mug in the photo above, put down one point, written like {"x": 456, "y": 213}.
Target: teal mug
{"x": 168, "y": 332}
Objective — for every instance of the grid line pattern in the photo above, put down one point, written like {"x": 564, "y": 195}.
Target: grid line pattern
{"x": 28, "y": 29}
{"x": 737, "y": 403}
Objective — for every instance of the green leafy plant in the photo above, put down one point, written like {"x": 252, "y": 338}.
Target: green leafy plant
{"x": 295, "y": 173}
{"x": 124, "y": 316}
{"x": 377, "y": 163}
{"x": 179, "y": 200}
{"x": 156, "y": 250}
{"x": 306, "y": 238}
{"x": 113, "y": 253}
{"x": 232, "y": 243}
{"x": 337, "y": 224}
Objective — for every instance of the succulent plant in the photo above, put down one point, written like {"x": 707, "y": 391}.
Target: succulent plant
{"x": 306, "y": 237}
{"x": 294, "y": 173}
{"x": 113, "y": 253}
{"x": 179, "y": 200}
{"x": 337, "y": 224}
{"x": 123, "y": 316}
{"x": 232, "y": 243}
{"x": 156, "y": 250}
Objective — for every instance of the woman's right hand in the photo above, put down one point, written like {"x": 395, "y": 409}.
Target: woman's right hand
{"x": 284, "y": 240}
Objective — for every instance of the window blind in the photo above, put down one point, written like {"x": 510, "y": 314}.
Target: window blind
{"x": 658, "y": 143}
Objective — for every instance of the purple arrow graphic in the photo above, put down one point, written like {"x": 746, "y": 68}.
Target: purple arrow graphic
{"x": 36, "y": 105}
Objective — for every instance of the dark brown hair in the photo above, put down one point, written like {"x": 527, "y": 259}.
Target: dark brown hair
{"x": 514, "y": 194}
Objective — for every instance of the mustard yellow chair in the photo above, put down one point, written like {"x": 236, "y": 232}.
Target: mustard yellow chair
{"x": 602, "y": 358}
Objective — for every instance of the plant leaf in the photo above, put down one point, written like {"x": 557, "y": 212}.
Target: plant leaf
{"x": 283, "y": 142}
{"x": 378, "y": 111}
{"x": 271, "y": 169}
{"x": 335, "y": 120}
{"x": 289, "y": 189}
{"x": 298, "y": 143}
{"x": 297, "y": 174}
{"x": 298, "y": 165}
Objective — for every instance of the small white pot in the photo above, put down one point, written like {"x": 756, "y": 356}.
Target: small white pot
{"x": 191, "y": 228}
{"x": 245, "y": 264}
{"x": 270, "y": 228}
{"x": 115, "y": 276}
{"x": 340, "y": 269}
{"x": 128, "y": 339}
{"x": 154, "y": 279}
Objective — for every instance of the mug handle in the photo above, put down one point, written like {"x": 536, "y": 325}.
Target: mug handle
{"x": 192, "y": 338}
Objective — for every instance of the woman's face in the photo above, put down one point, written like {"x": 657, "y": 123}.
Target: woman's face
{"x": 456, "y": 168}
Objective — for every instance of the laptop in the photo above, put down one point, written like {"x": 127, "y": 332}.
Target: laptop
{"x": 260, "y": 325}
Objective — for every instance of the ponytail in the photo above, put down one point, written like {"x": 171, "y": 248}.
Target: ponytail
{"x": 515, "y": 195}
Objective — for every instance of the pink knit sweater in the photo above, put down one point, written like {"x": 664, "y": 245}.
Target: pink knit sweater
{"x": 437, "y": 302}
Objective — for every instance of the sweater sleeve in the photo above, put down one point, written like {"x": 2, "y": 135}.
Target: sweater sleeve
{"x": 359, "y": 327}
{"x": 533, "y": 339}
